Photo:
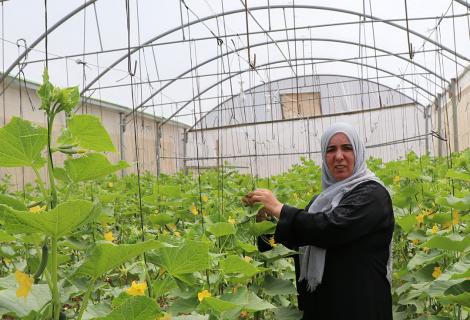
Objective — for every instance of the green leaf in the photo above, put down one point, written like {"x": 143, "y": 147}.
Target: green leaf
{"x": 247, "y": 247}
{"x": 60, "y": 221}
{"x": 35, "y": 300}
{"x": 192, "y": 256}
{"x": 88, "y": 132}
{"x": 458, "y": 288}
{"x": 453, "y": 174}
{"x": 455, "y": 202}
{"x": 22, "y": 143}
{"x": 260, "y": 228}
{"x": 277, "y": 253}
{"x": 220, "y": 307}
{"x": 91, "y": 167}
{"x": 462, "y": 299}
{"x": 275, "y": 286}
{"x": 45, "y": 91}
{"x": 221, "y": 229}
{"x": 162, "y": 287}
{"x": 421, "y": 259}
{"x": 134, "y": 308}
{"x": 235, "y": 264}
{"x": 182, "y": 305}
{"x": 5, "y": 237}
{"x": 452, "y": 242}
{"x": 288, "y": 313}
{"x": 407, "y": 223}
{"x": 161, "y": 219}
{"x": 12, "y": 202}
{"x": 104, "y": 257}
{"x": 247, "y": 300}
{"x": 67, "y": 98}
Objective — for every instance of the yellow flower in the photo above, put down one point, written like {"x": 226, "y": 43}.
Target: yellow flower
{"x": 137, "y": 289}
{"x": 437, "y": 272}
{"x": 37, "y": 209}
{"x": 247, "y": 259}
{"x": 166, "y": 316}
{"x": 396, "y": 179}
{"x": 110, "y": 185}
{"x": 205, "y": 198}
{"x": 177, "y": 234}
{"x": 272, "y": 242}
{"x": 203, "y": 294}
{"x": 455, "y": 217}
{"x": 108, "y": 236}
{"x": 194, "y": 209}
{"x": 231, "y": 220}
{"x": 420, "y": 218}
{"x": 425, "y": 249}
{"x": 244, "y": 314}
{"x": 434, "y": 229}
{"x": 415, "y": 242}
{"x": 25, "y": 284}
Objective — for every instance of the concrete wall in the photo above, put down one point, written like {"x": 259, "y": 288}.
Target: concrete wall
{"x": 171, "y": 149}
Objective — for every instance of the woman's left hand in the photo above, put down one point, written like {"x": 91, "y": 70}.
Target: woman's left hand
{"x": 267, "y": 198}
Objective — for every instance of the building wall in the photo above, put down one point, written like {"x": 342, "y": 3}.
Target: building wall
{"x": 171, "y": 147}
{"x": 447, "y": 130}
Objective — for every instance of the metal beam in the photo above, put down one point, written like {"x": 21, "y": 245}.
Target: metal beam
{"x": 464, "y": 3}
{"x": 278, "y": 80}
{"x": 45, "y": 34}
{"x": 299, "y": 59}
{"x": 284, "y": 40}
{"x": 225, "y": 36}
{"x": 297, "y": 6}
{"x": 346, "y": 113}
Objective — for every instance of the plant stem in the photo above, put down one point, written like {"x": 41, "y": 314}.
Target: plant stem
{"x": 50, "y": 165}
{"x": 40, "y": 183}
{"x": 86, "y": 297}
{"x": 55, "y": 289}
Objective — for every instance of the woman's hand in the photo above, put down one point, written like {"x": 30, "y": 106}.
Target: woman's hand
{"x": 267, "y": 198}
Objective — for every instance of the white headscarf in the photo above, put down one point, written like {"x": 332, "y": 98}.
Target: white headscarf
{"x": 312, "y": 258}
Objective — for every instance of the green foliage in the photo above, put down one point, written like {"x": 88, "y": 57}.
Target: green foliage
{"x": 200, "y": 259}
{"x": 22, "y": 143}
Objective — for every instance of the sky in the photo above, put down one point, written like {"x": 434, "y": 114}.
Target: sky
{"x": 101, "y": 32}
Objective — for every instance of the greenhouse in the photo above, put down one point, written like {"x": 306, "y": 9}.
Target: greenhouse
{"x": 250, "y": 159}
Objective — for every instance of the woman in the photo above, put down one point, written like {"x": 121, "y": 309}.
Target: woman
{"x": 344, "y": 235}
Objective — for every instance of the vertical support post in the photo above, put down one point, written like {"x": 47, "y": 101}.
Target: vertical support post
{"x": 455, "y": 121}
{"x": 158, "y": 146}
{"x": 185, "y": 151}
{"x": 439, "y": 124}
{"x": 427, "y": 115}
{"x": 217, "y": 152}
{"x": 122, "y": 129}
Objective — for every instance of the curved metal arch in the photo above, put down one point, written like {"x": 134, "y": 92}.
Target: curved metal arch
{"x": 45, "y": 34}
{"x": 298, "y": 59}
{"x": 176, "y": 29}
{"x": 288, "y": 78}
{"x": 283, "y": 40}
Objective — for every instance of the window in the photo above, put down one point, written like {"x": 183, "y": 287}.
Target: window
{"x": 305, "y": 104}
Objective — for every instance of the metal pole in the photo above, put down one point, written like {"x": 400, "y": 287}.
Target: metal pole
{"x": 439, "y": 124}
{"x": 185, "y": 151}
{"x": 455, "y": 121}
{"x": 122, "y": 129}
{"x": 427, "y": 115}
{"x": 158, "y": 144}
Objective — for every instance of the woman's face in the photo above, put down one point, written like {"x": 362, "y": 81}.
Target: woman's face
{"x": 340, "y": 157}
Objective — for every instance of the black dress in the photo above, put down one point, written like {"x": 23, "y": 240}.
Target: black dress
{"x": 357, "y": 235}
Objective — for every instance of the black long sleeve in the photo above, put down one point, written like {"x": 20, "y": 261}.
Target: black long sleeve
{"x": 358, "y": 213}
